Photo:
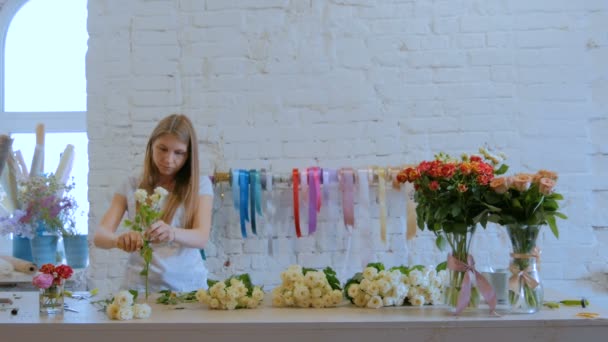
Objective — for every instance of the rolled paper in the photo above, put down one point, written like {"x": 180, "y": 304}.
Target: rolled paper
{"x": 9, "y": 183}
{"x": 5, "y": 149}
{"x": 20, "y": 265}
{"x": 65, "y": 165}
{"x": 24, "y": 173}
{"x": 37, "y": 167}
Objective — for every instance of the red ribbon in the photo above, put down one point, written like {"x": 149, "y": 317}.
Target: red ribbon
{"x": 296, "y": 200}
{"x": 465, "y": 289}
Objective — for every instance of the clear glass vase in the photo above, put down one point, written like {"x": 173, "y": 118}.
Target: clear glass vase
{"x": 460, "y": 245}
{"x": 525, "y": 284}
{"x": 52, "y": 299}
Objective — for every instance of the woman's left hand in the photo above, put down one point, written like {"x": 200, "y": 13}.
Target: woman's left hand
{"x": 159, "y": 231}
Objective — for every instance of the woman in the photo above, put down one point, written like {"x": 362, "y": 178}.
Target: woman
{"x": 171, "y": 162}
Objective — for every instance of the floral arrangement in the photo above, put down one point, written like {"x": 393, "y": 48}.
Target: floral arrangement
{"x": 523, "y": 203}
{"x": 51, "y": 275}
{"x": 307, "y": 287}
{"x": 376, "y": 287}
{"x": 525, "y": 199}
{"x": 450, "y": 197}
{"x": 50, "y": 281}
{"x": 236, "y": 292}
{"x": 124, "y": 308}
{"x": 148, "y": 211}
{"x": 44, "y": 205}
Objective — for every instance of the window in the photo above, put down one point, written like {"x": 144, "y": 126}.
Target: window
{"x": 42, "y": 80}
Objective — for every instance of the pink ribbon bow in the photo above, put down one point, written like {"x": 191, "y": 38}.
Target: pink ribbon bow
{"x": 465, "y": 289}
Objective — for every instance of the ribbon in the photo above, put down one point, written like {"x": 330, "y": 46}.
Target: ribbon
{"x": 347, "y": 180}
{"x": 411, "y": 211}
{"x": 295, "y": 178}
{"x": 517, "y": 273}
{"x": 255, "y": 197}
{"x": 314, "y": 198}
{"x": 235, "y": 188}
{"x": 381, "y": 173}
{"x": 363, "y": 188}
{"x": 243, "y": 200}
{"x": 465, "y": 288}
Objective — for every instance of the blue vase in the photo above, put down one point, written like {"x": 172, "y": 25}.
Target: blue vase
{"x": 76, "y": 250}
{"x": 21, "y": 248}
{"x": 44, "y": 249}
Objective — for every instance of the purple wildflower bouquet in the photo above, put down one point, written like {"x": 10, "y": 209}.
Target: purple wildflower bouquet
{"x": 45, "y": 205}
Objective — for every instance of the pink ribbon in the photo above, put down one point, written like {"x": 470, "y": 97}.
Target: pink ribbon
{"x": 347, "y": 181}
{"x": 465, "y": 289}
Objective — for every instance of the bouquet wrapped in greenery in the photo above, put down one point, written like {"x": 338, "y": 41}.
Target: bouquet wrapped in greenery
{"x": 236, "y": 292}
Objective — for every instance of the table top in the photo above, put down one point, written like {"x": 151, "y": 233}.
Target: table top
{"x": 346, "y": 313}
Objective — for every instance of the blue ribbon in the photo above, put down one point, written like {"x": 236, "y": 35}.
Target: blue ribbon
{"x": 235, "y": 188}
{"x": 244, "y": 187}
{"x": 254, "y": 178}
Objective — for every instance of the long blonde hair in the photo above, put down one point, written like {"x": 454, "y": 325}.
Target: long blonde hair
{"x": 186, "y": 179}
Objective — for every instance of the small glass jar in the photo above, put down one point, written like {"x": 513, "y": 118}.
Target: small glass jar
{"x": 52, "y": 299}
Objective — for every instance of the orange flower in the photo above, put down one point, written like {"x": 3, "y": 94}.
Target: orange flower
{"x": 521, "y": 182}
{"x": 544, "y": 174}
{"x": 500, "y": 185}
{"x": 545, "y": 186}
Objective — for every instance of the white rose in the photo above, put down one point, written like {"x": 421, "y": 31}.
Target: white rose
{"x": 123, "y": 298}
{"x": 214, "y": 303}
{"x": 141, "y": 310}
{"x": 162, "y": 192}
{"x": 416, "y": 300}
{"x": 141, "y": 195}
{"x": 316, "y": 292}
{"x": 353, "y": 290}
{"x": 318, "y": 303}
{"x": 389, "y": 301}
{"x": 370, "y": 273}
{"x": 360, "y": 301}
{"x": 277, "y": 301}
{"x": 125, "y": 313}
{"x": 304, "y": 303}
{"x": 375, "y": 302}
{"x": 257, "y": 294}
{"x": 337, "y": 297}
{"x": 202, "y": 296}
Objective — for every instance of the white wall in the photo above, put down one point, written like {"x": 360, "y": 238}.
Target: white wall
{"x": 354, "y": 83}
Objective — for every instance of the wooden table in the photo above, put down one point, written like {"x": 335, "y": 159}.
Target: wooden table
{"x": 345, "y": 323}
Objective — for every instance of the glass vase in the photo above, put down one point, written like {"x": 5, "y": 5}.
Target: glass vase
{"x": 52, "y": 299}
{"x": 460, "y": 245}
{"x": 525, "y": 284}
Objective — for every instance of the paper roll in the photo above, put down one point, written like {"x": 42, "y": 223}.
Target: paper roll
{"x": 38, "y": 158}
{"x": 20, "y": 265}
{"x": 5, "y": 149}
{"x": 24, "y": 173}
{"x": 65, "y": 165}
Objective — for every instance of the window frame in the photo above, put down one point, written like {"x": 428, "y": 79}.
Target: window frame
{"x": 25, "y": 122}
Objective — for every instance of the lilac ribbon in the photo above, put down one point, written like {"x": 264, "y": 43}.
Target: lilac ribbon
{"x": 465, "y": 289}
{"x": 314, "y": 198}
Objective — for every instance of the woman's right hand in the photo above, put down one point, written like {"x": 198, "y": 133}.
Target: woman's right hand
{"x": 130, "y": 241}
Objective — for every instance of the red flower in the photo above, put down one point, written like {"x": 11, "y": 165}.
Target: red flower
{"x": 47, "y": 268}
{"x": 475, "y": 159}
{"x": 64, "y": 271}
{"x": 434, "y": 185}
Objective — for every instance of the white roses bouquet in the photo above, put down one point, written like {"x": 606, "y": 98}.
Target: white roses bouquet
{"x": 307, "y": 287}
{"x": 376, "y": 287}
{"x": 123, "y": 308}
{"x": 236, "y": 292}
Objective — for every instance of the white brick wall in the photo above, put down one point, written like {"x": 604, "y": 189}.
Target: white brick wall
{"x": 281, "y": 84}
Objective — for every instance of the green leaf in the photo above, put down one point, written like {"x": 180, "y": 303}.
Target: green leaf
{"x": 440, "y": 242}
{"x": 441, "y": 266}
{"x": 377, "y": 265}
{"x": 553, "y": 225}
{"x": 501, "y": 170}
{"x": 211, "y": 282}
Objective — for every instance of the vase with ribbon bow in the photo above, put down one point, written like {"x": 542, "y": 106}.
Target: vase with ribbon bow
{"x": 465, "y": 283}
{"x": 525, "y": 285}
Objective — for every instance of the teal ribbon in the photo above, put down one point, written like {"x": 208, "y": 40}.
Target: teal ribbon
{"x": 243, "y": 200}
{"x": 235, "y": 188}
{"x": 254, "y": 178}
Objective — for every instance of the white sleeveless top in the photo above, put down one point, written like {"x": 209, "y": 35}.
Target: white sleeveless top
{"x": 173, "y": 267}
